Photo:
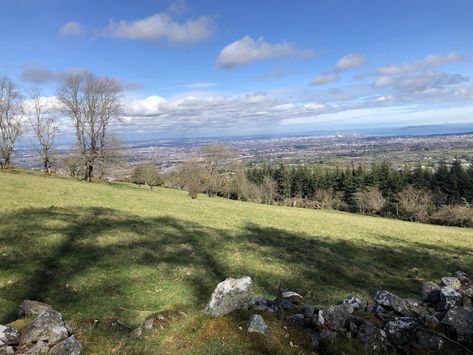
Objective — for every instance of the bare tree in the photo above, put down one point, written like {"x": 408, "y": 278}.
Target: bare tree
{"x": 91, "y": 103}
{"x": 269, "y": 189}
{"x": 43, "y": 121}
{"x": 414, "y": 204}
{"x": 11, "y": 119}
{"x": 216, "y": 159}
{"x": 370, "y": 200}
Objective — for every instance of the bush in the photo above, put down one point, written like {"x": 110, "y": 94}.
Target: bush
{"x": 370, "y": 200}
{"x": 415, "y": 204}
{"x": 457, "y": 215}
{"x": 147, "y": 174}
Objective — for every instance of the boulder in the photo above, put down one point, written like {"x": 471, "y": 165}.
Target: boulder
{"x": 401, "y": 330}
{"x": 256, "y": 324}
{"x": 415, "y": 306}
{"x": 69, "y": 346}
{"x": 391, "y": 301}
{"x": 449, "y": 298}
{"x": 9, "y": 335}
{"x": 356, "y": 302}
{"x": 294, "y": 297}
{"x": 372, "y": 338}
{"x": 464, "y": 278}
{"x": 261, "y": 303}
{"x": 381, "y": 312}
{"x": 228, "y": 296}
{"x": 459, "y": 322}
{"x": 322, "y": 337}
{"x": 429, "y": 341}
{"x": 29, "y": 308}
{"x": 452, "y": 282}
{"x": 48, "y": 327}
{"x": 336, "y": 316}
{"x": 7, "y": 350}
{"x": 430, "y": 292}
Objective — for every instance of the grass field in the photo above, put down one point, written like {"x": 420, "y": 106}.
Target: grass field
{"x": 105, "y": 251}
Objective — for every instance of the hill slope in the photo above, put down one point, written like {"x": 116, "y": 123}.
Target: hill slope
{"x": 104, "y": 251}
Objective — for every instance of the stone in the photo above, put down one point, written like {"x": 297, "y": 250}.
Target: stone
{"x": 381, "y": 312}
{"x": 261, "y": 303}
{"x": 309, "y": 311}
{"x": 452, "y": 282}
{"x": 39, "y": 348}
{"x": 9, "y": 335}
{"x": 29, "y": 308}
{"x": 256, "y": 324}
{"x": 356, "y": 302}
{"x": 69, "y": 346}
{"x": 467, "y": 292}
{"x": 464, "y": 278}
{"x": 391, "y": 301}
{"x": 319, "y": 319}
{"x": 297, "y": 319}
{"x": 449, "y": 298}
{"x": 429, "y": 341}
{"x": 7, "y": 350}
{"x": 372, "y": 338}
{"x": 415, "y": 306}
{"x": 459, "y": 322}
{"x": 336, "y": 316}
{"x": 401, "y": 330}
{"x": 430, "y": 292}
{"x": 322, "y": 337}
{"x": 228, "y": 296}
{"x": 294, "y": 297}
{"x": 48, "y": 327}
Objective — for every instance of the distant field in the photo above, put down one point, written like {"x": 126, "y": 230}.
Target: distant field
{"x": 104, "y": 251}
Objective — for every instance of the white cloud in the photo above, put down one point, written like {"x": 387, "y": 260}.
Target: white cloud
{"x": 324, "y": 79}
{"x": 71, "y": 29}
{"x": 419, "y": 81}
{"x": 247, "y": 50}
{"x": 350, "y": 61}
{"x": 162, "y": 27}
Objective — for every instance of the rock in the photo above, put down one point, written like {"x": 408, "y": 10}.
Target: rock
{"x": 391, "y": 301}
{"x": 69, "y": 346}
{"x": 381, "y": 312}
{"x": 319, "y": 320}
{"x": 459, "y": 322}
{"x": 148, "y": 324}
{"x": 29, "y": 308}
{"x": 369, "y": 335}
{"x": 452, "y": 282}
{"x": 9, "y": 335}
{"x": 261, "y": 303}
{"x": 228, "y": 296}
{"x": 430, "y": 292}
{"x": 7, "y": 350}
{"x": 293, "y": 297}
{"x": 336, "y": 316}
{"x": 449, "y": 298}
{"x": 40, "y": 348}
{"x": 356, "y": 302}
{"x": 48, "y": 327}
{"x": 467, "y": 292}
{"x": 401, "y": 330}
{"x": 309, "y": 311}
{"x": 464, "y": 278}
{"x": 415, "y": 306}
{"x": 297, "y": 319}
{"x": 322, "y": 337}
{"x": 429, "y": 341}
{"x": 256, "y": 324}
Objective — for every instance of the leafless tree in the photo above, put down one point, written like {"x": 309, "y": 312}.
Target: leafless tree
{"x": 414, "y": 204}
{"x": 370, "y": 200}
{"x": 91, "y": 103}
{"x": 43, "y": 120}
{"x": 11, "y": 119}
{"x": 269, "y": 189}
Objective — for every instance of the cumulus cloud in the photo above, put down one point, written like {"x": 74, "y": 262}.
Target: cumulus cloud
{"x": 71, "y": 29}
{"x": 350, "y": 61}
{"x": 247, "y": 50}
{"x": 324, "y": 79}
{"x": 162, "y": 27}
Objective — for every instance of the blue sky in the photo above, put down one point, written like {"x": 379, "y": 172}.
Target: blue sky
{"x": 242, "y": 67}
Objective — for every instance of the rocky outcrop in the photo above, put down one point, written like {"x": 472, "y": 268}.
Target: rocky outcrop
{"x": 47, "y": 334}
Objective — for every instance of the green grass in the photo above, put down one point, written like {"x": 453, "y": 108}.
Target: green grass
{"x": 116, "y": 250}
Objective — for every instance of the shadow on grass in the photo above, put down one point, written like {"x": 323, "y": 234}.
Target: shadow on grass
{"x": 97, "y": 261}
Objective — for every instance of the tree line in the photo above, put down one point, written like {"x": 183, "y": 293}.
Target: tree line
{"x": 90, "y": 103}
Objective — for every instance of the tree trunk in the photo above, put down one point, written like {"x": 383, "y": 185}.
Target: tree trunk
{"x": 89, "y": 168}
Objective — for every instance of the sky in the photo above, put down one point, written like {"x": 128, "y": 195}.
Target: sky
{"x": 227, "y": 68}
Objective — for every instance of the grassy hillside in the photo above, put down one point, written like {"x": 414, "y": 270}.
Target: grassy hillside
{"x": 105, "y": 251}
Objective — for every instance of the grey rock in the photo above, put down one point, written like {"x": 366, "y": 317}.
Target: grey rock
{"x": 356, "y": 302}
{"x": 322, "y": 337}
{"x": 39, "y": 348}
{"x": 261, "y": 303}
{"x": 9, "y": 335}
{"x": 401, "y": 330}
{"x": 430, "y": 292}
{"x": 29, "y": 308}
{"x": 309, "y": 311}
{"x": 429, "y": 341}
{"x": 459, "y": 321}
{"x": 319, "y": 319}
{"x": 467, "y": 292}
{"x": 369, "y": 335}
{"x": 7, "y": 350}
{"x": 228, "y": 296}
{"x": 294, "y": 297}
{"x": 415, "y": 306}
{"x": 336, "y": 316}
{"x": 69, "y": 346}
{"x": 452, "y": 282}
{"x": 48, "y": 327}
{"x": 464, "y": 278}
{"x": 391, "y": 301}
{"x": 449, "y": 298}
{"x": 381, "y": 312}
{"x": 297, "y": 319}
{"x": 256, "y": 324}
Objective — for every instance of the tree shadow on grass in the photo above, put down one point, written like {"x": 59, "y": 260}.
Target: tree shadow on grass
{"x": 98, "y": 262}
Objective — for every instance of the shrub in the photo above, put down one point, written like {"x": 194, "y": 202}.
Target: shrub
{"x": 457, "y": 215}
